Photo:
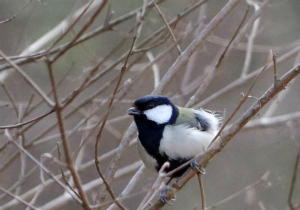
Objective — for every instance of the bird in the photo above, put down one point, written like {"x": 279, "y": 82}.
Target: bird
{"x": 169, "y": 133}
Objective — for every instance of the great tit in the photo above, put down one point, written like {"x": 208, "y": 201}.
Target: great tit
{"x": 167, "y": 132}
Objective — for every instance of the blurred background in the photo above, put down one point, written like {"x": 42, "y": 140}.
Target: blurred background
{"x": 86, "y": 76}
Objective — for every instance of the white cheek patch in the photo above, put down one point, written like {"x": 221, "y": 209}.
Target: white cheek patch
{"x": 160, "y": 114}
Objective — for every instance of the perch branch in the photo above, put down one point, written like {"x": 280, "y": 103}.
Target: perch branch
{"x": 220, "y": 143}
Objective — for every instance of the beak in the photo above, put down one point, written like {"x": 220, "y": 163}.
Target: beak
{"x": 133, "y": 111}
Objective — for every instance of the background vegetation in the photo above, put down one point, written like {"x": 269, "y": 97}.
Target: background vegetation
{"x": 71, "y": 69}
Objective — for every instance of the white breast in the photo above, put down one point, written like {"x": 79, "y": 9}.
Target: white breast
{"x": 181, "y": 141}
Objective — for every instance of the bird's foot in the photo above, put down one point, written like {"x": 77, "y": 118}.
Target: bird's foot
{"x": 195, "y": 166}
{"x": 167, "y": 194}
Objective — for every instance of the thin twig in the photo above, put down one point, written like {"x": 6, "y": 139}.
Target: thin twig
{"x": 232, "y": 39}
{"x": 26, "y": 111}
{"x": 262, "y": 180}
{"x": 243, "y": 100}
{"x": 71, "y": 25}
{"x": 50, "y": 181}
{"x": 27, "y": 122}
{"x": 17, "y": 198}
{"x": 274, "y": 104}
{"x": 43, "y": 168}
{"x": 242, "y": 80}
{"x": 133, "y": 181}
{"x": 84, "y": 28}
{"x": 11, "y": 98}
{"x": 155, "y": 69}
{"x": 220, "y": 41}
{"x": 210, "y": 72}
{"x": 65, "y": 143}
{"x": 36, "y": 195}
{"x": 87, "y": 82}
{"x": 248, "y": 25}
{"x": 15, "y": 15}
{"x": 157, "y": 185}
{"x": 196, "y": 43}
{"x": 93, "y": 185}
{"x": 251, "y": 39}
{"x": 274, "y": 67}
{"x": 293, "y": 182}
{"x": 28, "y": 80}
{"x": 265, "y": 122}
{"x": 200, "y": 179}
{"x": 124, "y": 68}
{"x": 63, "y": 174}
{"x": 168, "y": 26}
{"x": 74, "y": 94}
{"x": 99, "y": 30}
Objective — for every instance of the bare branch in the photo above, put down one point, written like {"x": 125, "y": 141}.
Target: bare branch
{"x": 28, "y": 122}
{"x": 28, "y": 80}
{"x": 200, "y": 179}
{"x": 15, "y": 15}
{"x": 11, "y": 98}
{"x": 293, "y": 182}
{"x": 92, "y": 185}
{"x": 272, "y": 121}
{"x": 40, "y": 165}
{"x": 196, "y": 43}
{"x": 63, "y": 174}
{"x": 168, "y": 26}
{"x": 157, "y": 186}
{"x": 80, "y": 15}
{"x": 17, "y": 198}
{"x": 65, "y": 143}
{"x": 84, "y": 28}
{"x": 274, "y": 105}
{"x": 220, "y": 143}
{"x": 124, "y": 68}
{"x": 242, "y": 80}
{"x": 251, "y": 38}
{"x": 211, "y": 71}
{"x": 130, "y": 185}
{"x": 262, "y": 180}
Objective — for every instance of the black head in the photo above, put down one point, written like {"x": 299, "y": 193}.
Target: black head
{"x": 158, "y": 109}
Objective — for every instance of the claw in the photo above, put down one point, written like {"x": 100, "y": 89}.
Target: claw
{"x": 195, "y": 166}
{"x": 166, "y": 195}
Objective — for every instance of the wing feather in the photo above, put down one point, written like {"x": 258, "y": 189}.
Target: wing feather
{"x": 201, "y": 119}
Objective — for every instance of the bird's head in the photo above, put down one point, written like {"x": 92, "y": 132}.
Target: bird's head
{"x": 158, "y": 109}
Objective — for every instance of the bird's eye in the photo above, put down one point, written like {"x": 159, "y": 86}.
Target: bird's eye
{"x": 150, "y": 106}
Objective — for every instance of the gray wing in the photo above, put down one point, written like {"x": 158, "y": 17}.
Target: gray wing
{"x": 203, "y": 123}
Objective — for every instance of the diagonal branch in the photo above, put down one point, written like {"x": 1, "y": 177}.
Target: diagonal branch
{"x": 84, "y": 28}
{"x": 17, "y": 198}
{"x": 293, "y": 183}
{"x": 15, "y": 15}
{"x": 196, "y": 43}
{"x": 168, "y": 26}
{"x": 58, "y": 110}
{"x": 124, "y": 68}
{"x": 28, "y": 80}
{"x": 220, "y": 143}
